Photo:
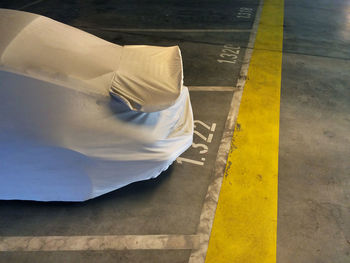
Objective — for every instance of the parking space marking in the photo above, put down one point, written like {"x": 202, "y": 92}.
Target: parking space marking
{"x": 201, "y": 147}
{"x": 166, "y": 30}
{"x": 112, "y": 242}
{"x": 245, "y": 225}
{"x": 30, "y": 4}
{"x": 212, "y": 197}
{"x": 211, "y": 88}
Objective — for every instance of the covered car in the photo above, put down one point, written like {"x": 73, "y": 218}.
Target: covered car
{"x": 80, "y": 116}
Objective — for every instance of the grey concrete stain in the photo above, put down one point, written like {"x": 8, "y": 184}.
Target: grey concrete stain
{"x": 228, "y": 167}
{"x": 329, "y": 134}
{"x": 238, "y": 127}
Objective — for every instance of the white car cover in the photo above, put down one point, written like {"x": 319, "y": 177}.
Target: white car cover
{"x": 80, "y": 116}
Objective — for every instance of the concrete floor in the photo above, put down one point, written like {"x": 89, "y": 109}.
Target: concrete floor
{"x": 314, "y": 157}
{"x": 314, "y": 178}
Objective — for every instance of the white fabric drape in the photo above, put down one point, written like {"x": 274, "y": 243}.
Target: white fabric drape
{"x": 80, "y": 116}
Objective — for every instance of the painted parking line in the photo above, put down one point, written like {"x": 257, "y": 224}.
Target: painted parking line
{"x": 211, "y": 88}
{"x": 30, "y": 4}
{"x": 110, "y": 242}
{"x": 165, "y": 30}
{"x": 212, "y": 196}
{"x": 245, "y": 224}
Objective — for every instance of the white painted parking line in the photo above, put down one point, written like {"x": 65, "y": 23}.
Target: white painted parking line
{"x": 166, "y": 30}
{"x": 210, "y": 138}
{"x": 30, "y": 4}
{"x": 212, "y": 197}
{"x": 211, "y": 88}
{"x": 82, "y": 243}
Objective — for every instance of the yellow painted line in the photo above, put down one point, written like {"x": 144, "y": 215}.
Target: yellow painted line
{"x": 245, "y": 225}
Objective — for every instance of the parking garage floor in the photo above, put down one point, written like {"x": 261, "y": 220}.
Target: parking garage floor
{"x": 290, "y": 60}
